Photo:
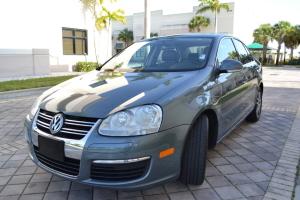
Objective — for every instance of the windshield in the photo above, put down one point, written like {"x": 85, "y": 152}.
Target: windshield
{"x": 162, "y": 54}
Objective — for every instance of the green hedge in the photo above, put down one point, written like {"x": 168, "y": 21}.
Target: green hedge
{"x": 86, "y": 66}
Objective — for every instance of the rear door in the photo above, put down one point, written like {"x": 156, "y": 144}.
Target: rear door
{"x": 249, "y": 71}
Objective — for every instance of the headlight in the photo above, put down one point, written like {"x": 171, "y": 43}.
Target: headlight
{"x": 140, "y": 120}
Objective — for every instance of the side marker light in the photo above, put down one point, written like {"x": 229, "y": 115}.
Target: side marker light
{"x": 166, "y": 152}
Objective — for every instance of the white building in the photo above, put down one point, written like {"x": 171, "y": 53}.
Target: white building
{"x": 42, "y": 36}
{"x": 38, "y": 37}
{"x": 174, "y": 24}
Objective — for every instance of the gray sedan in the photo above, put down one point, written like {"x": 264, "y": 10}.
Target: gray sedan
{"x": 149, "y": 114}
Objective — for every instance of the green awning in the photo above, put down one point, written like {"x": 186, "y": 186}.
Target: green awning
{"x": 257, "y": 46}
{"x": 119, "y": 46}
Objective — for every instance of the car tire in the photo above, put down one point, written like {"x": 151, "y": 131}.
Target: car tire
{"x": 193, "y": 162}
{"x": 256, "y": 112}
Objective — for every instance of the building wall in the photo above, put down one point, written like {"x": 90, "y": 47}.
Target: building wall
{"x": 174, "y": 23}
{"x": 31, "y": 36}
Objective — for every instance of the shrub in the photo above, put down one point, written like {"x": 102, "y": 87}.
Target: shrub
{"x": 86, "y": 66}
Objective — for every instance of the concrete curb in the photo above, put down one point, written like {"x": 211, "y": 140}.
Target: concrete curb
{"x": 284, "y": 181}
{"x": 297, "y": 192}
{"x": 22, "y": 93}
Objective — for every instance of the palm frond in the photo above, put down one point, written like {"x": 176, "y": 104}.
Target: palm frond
{"x": 102, "y": 1}
{"x": 102, "y": 22}
{"x": 204, "y": 9}
{"x": 226, "y": 6}
{"x": 105, "y": 10}
{"x": 106, "y": 16}
{"x": 198, "y": 21}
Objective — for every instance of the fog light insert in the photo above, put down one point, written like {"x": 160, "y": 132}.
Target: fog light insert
{"x": 120, "y": 170}
{"x": 166, "y": 152}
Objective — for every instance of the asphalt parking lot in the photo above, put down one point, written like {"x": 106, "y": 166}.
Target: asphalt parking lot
{"x": 256, "y": 161}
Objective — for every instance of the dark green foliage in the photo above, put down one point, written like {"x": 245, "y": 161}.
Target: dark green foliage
{"x": 86, "y": 66}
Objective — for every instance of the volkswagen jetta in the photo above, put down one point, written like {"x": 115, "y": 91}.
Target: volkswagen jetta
{"x": 149, "y": 114}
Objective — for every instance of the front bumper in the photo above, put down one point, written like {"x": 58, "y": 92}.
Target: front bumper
{"x": 95, "y": 147}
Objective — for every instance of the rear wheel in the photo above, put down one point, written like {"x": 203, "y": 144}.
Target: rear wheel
{"x": 256, "y": 112}
{"x": 194, "y": 156}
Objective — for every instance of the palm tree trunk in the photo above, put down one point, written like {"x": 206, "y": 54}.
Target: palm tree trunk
{"x": 199, "y": 29}
{"x": 292, "y": 53}
{"x": 284, "y": 54}
{"x": 278, "y": 50}
{"x": 264, "y": 53}
{"x": 95, "y": 46}
{"x": 109, "y": 48}
{"x": 216, "y": 21}
{"x": 94, "y": 32}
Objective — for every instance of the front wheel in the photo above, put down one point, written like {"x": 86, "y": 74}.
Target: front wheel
{"x": 256, "y": 112}
{"x": 194, "y": 156}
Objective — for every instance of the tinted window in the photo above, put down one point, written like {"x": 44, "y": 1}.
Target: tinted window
{"x": 245, "y": 55}
{"x": 226, "y": 51}
{"x": 167, "y": 54}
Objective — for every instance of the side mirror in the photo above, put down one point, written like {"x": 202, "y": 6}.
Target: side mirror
{"x": 230, "y": 65}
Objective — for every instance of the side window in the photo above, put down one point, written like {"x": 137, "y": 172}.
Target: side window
{"x": 250, "y": 57}
{"x": 226, "y": 51}
{"x": 245, "y": 56}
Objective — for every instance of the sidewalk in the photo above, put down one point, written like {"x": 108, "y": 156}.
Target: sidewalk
{"x": 256, "y": 161}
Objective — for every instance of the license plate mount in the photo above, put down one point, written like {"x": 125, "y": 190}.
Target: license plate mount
{"x": 52, "y": 148}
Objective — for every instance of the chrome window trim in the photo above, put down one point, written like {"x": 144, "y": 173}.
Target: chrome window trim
{"x": 216, "y": 58}
{"x": 121, "y": 161}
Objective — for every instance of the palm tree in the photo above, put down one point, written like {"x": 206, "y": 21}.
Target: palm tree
{"x": 102, "y": 1}
{"x": 213, "y": 5}
{"x": 104, "y": 22}
{"x": 126, "y": 36}
{"x": 91, "y": 6}
{"x": 280, "y": 30}
{"x": 263, "y": 35}
{"x": 292, "y": 39}
{"x": 197, "y": 22}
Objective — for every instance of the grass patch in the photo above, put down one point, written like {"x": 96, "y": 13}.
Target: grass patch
{"x": 272, "y": 66}
{"x": 298, "y": 67}
{"x": 33, "y": 83}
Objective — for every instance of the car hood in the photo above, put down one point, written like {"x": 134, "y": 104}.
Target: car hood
{"x": 98, "y": 94}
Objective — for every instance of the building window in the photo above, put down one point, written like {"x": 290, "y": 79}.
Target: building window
{"x": 74, "y": 41}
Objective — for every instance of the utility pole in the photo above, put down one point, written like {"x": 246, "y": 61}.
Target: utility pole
{"x": 147, "y": 20}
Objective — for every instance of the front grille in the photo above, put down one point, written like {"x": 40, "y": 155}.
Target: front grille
{"x": 73, "y": 128}
{"x": 119, "y": 172}
{"x": 70, "y": 166}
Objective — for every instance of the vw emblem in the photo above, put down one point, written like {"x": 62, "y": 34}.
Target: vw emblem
{"x": 56, "y": 123}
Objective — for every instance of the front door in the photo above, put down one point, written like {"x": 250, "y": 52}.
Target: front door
{"x": 232, "y": 102}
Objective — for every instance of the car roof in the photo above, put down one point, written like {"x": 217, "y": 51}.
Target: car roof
{"x": 190, "y": 35}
